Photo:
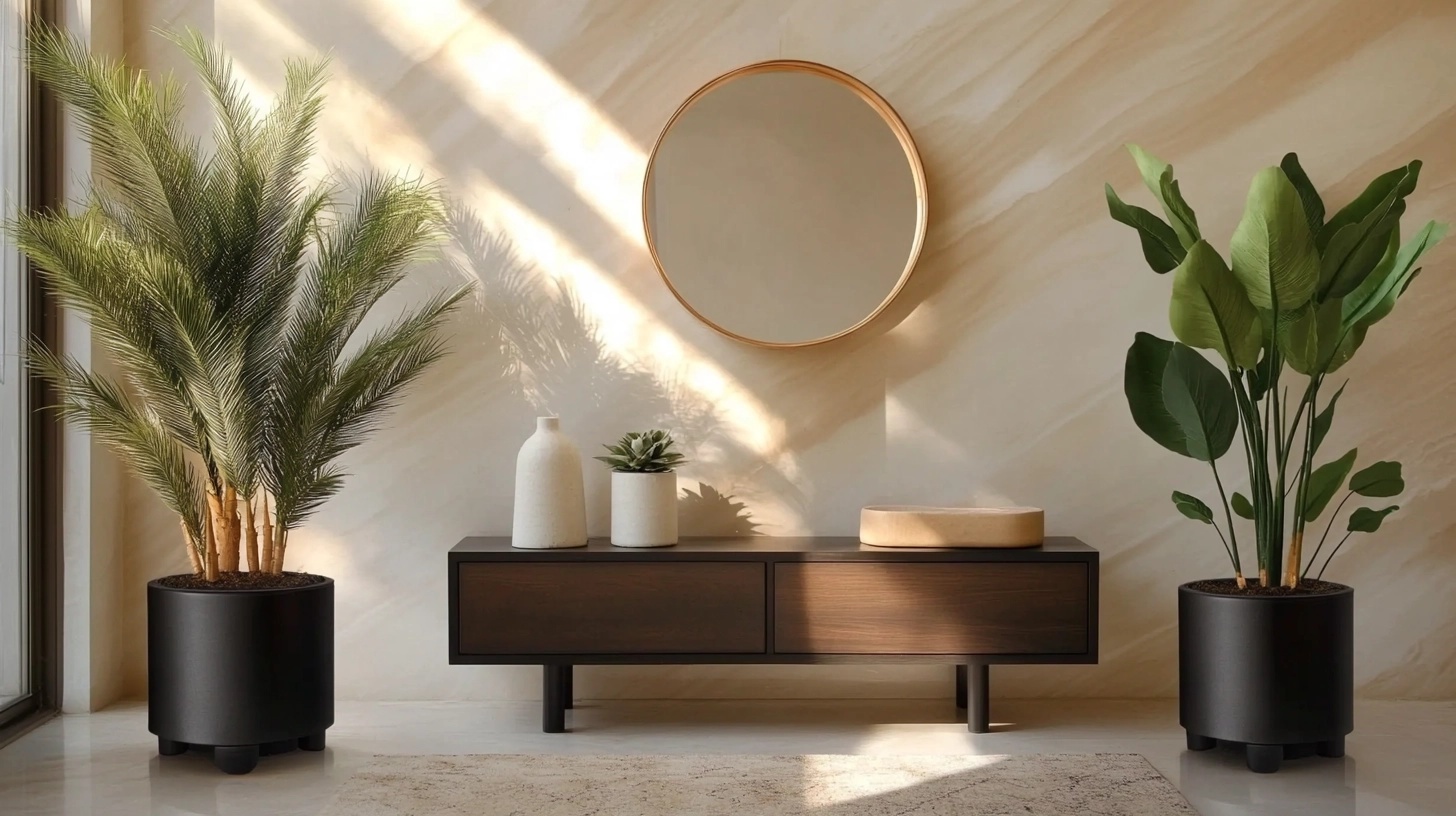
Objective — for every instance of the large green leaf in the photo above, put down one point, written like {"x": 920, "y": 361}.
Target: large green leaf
{"x": 1192, "y": 507}
{"x": 1325, "y": 482}
{"x": 1243, "y": 508}
{"x": 1201, "y": 401}
{"x": 1365, "y": 520}
{"x": 1354, "y": 241}
{"x": 1158, "y": 176}
{"x": 1209, "y": 307}
{"x": 1380, "y": 480}
{"x": 1273, "y": 252}
{"x": 1308, "y": 336}
{"x": 1161, "y": 247}
{"x": 1142, "y": 381}
{"x": 1401, "y": 181}
{"x": 1349, "y": 344}
{"x": 1322, "y": 422}
{"x": 1314, "y": 206}
{"x": 1376, "y": 295}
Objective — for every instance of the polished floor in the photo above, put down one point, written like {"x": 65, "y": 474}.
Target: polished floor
{"x": 1401, "y": 760}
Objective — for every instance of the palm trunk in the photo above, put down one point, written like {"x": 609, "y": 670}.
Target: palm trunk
{"x": 229, "y": 555}
{"x": 278, "y": 548}
{"x": 252, "y": 540}
{"x": 267, "y": 563}
{"x": 211, "y": 530}
{"x": 192, "y": 555}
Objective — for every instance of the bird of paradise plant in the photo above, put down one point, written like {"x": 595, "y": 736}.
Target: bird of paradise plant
{"x": 1291, "y": 305}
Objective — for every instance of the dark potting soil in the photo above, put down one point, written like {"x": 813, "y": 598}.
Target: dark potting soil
{"x": 1227, "y": 586}
{"x": 242, "y": 580}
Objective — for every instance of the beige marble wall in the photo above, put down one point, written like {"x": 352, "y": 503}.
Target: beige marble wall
{"x": 995, "y": 378}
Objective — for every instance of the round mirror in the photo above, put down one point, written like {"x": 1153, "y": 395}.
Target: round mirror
{"x": 784, "y": 204}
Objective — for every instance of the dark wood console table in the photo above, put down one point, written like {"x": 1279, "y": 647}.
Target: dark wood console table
{"x": 772, "y": 600}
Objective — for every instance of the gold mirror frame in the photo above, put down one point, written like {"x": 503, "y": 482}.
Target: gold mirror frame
{"x": 890, "y": 117}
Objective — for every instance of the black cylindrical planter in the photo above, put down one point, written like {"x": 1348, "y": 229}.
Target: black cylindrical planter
{"x": 243, "y": 671}
{"x": 1275, "y": 673}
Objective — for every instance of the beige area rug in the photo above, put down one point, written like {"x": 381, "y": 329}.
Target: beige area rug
{"x": 565, "y": 785}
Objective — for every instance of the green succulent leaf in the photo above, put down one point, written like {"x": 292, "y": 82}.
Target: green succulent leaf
{"x": 1158, "y": 176}
{"x": 1380, "y": 480}
{"x": 1242, "y": 507}
{"x": 1322, "y": 422}
{"x": 1272, "y": 249}
{"x": 643, "y": 452}
{"x": 1161, "y": 247}
{"x": 1325, "y": 482}
{"x": 1210, "y": 310}
{"x": 1192, "y": 507}
{"x": 1309, "y": 197}
{"x": 1200, "y": 400}
{"x": 1147, "y": 359}
{"x": 1365, "y": 520}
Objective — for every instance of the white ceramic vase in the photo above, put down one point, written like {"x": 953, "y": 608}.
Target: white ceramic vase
{"x": 550, "y": 503}
{"x": 644, "y": 509}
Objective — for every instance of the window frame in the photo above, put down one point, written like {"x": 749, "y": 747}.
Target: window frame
{"x": 42, "y": 474}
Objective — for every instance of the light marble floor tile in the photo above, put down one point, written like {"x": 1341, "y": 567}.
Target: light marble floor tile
{"x": 1399, "y": 762}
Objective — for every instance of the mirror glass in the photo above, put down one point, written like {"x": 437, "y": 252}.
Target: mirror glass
{"x": 784, "y": 204}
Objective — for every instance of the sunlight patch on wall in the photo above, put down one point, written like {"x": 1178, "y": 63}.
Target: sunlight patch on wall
{"x": 528, "y": 101}
{"x": 525, "y": 100}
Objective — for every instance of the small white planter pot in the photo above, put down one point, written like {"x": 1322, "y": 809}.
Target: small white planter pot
{"x": 644, "y": 509}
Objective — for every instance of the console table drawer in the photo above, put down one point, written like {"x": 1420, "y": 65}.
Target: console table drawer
{"x": 541, "y": 608}
{"x": 930, "y": 609}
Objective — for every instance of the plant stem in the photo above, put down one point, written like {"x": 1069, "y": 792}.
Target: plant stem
{"x": 1328, "y": 526}
{"x": 1233, "y": 544}
{"x": 1301, "y": 496}
{"x": 1331, "y": 557}
{"x": 1275, "y": 555}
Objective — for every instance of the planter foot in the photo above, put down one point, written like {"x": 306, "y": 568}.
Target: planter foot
{"x": 312, "y": 742}
{"x": 167, "y": 747}
{"x": 1263, "y": 758}
{"x": 1334, "y": 748}
{"x": 235, "y": 759}
{"x": 1198, "y": 742}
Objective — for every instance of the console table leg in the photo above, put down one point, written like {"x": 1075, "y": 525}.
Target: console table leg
{"x": 554, "y": 682}
{"x": 961, "y": 686}
{"x": 569, "y": 693}
{"x": 978, "y": 698}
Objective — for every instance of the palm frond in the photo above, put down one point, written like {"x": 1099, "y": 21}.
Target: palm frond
{"x": 140, "y": 151}
{"x": 145, "y": 443}
{"x": 362, "y": 391}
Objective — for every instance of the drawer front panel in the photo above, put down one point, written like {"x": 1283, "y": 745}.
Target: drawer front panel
{"x": 612, "y": 608}
{"x": 930, "y": 609}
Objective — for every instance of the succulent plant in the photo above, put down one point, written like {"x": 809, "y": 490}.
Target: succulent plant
{"x": 645, "y": 452}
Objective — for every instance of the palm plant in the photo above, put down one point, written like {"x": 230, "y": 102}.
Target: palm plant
{"x": 229, "y": 291}
{"x": 1292, "y": 307}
